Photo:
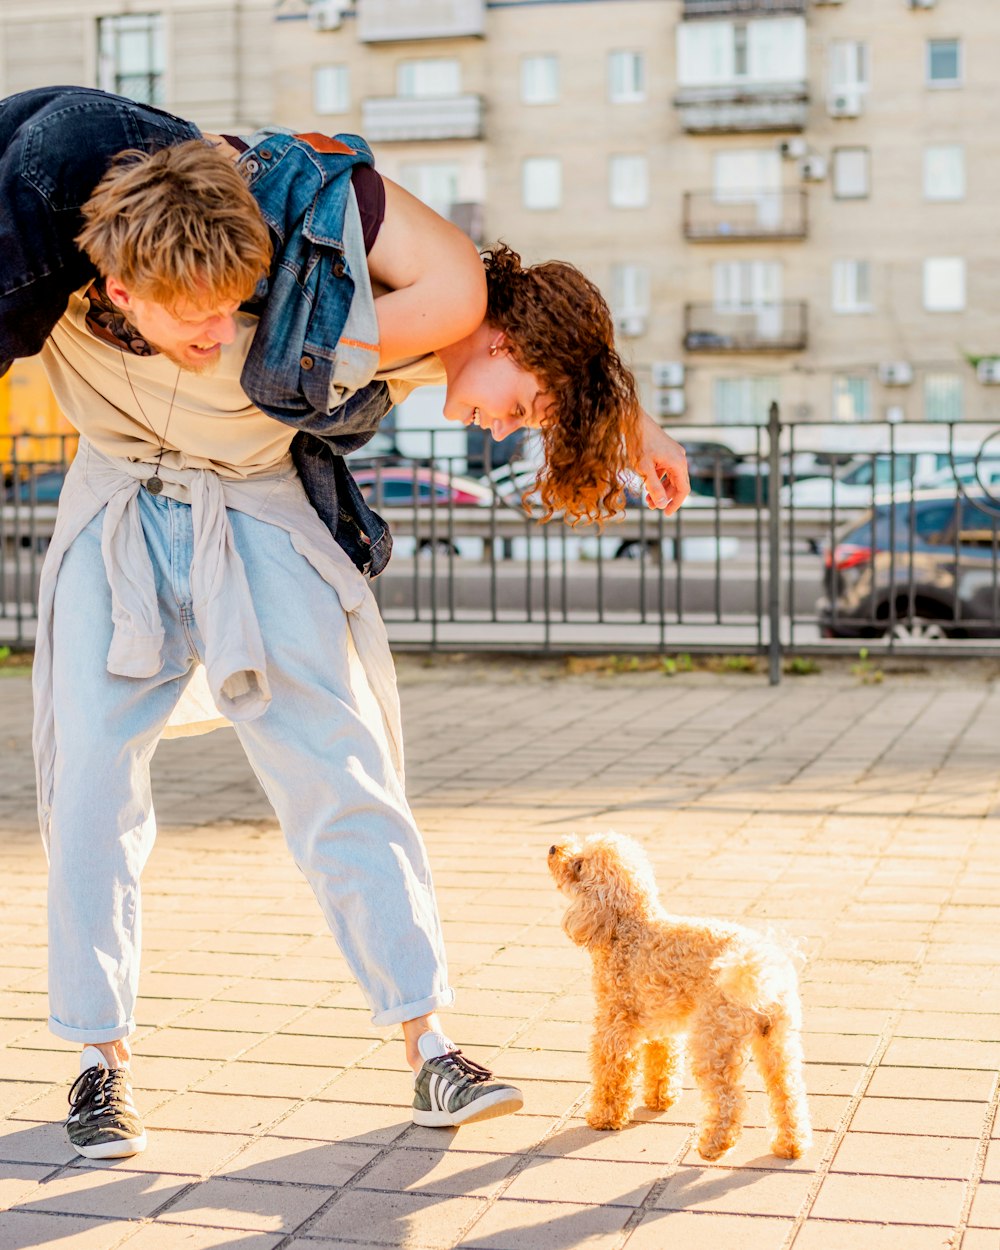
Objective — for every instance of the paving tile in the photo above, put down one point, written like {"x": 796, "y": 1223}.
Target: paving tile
{"x": 944, "y": 1083}
{"x": 980, "y": 1239}
{"x": 840, "y": 1235}
{"x": 639, "y": 1142}
{"x": 906, "y": 1155}
{"x": 279, "y": 1081}
{"x": 889, "y": 1199}
{"x": 737, "y": 1192}
{"x": 298, "y": 1161}
{"x": 115, "y": 1193}
{"x": 210, "y": 1112}
{"x": 986, "y": 1206}
{"x": 511, "y": 1225}
{"x": 918, "y": 1115}
{"x": 508, "y": 1134}
{"x": 173, "y": 1151}
{"x": 705, "y": 1230}
{"x": 457, "y": 1173}
{"x": 251, "y": 1205}
{"x": 18, "y": 1181}
{"x": 167, "y": 1235}
{"x": 28, "y": 1230}
{"x": 604, "y": 1181}
{"x": 35, "y": 1143}
{"x": 411, "y": 1220}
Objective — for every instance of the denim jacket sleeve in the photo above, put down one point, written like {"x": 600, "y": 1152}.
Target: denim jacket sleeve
{"x": 55, "y": 143}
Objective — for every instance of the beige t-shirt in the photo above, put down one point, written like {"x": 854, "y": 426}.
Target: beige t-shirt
{"x": 122, "y": 404}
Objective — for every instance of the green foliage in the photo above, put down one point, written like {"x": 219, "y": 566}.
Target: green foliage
{"x": 801, "y": 666}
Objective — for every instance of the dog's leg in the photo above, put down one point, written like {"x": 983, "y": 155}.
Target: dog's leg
{"x": 614, "y": 1062}
{"x": 718, "y": 1057}
{"x": 777, "y": 1048}
{"x": 663, "y": 1068}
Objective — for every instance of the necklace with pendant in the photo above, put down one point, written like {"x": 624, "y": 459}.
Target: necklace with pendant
{"x": 154, "y": 484}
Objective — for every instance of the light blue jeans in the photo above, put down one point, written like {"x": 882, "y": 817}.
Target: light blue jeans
{"x": 319, "y": 754}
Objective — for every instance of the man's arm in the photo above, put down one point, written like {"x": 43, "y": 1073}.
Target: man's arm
{"x": 433, "y": 278}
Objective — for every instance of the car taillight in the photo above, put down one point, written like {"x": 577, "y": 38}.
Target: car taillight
{"x": 847, "y": 556}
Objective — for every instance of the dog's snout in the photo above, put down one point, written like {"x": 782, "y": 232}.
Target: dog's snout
{"x": 553, "y": 849}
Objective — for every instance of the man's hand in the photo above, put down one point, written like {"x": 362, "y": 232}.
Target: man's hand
{"x": 661, "y": 462}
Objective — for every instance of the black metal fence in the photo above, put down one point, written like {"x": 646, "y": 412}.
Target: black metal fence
{"x": 797, "y": 539}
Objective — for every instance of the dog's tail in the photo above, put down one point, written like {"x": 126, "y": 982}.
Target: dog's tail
{"x": 760, "y": 974}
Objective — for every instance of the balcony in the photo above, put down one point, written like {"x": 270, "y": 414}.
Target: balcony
{"x": 764, "y": 328}
{"x": 742, "y": 8}
{"x": 740, "y": 216}
{"x": 744, "y": 107}
{"x": 392, "y": 119}
{"x": 381, "y": 21}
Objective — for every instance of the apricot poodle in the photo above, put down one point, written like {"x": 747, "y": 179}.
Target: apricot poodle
{"x": 666, "y": 983}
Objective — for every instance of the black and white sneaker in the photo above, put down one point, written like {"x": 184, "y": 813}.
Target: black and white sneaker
{"x": 103, "y": 1122}
{"x": 450, "y": 1089}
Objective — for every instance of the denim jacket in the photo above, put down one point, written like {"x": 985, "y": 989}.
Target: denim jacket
{"x": 55, "y": 143}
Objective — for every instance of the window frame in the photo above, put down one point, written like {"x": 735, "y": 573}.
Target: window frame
{"x": 943, "y": 147}
{"x": 633, "y": 95}
{"x": 343, "y": 71}
{"x": 945, "y": 84}
{"x": 532, "y": 101}
{"x": 963, "y": 270}
{"x": 417, "y": 63}
{"x": 641, "y": 162}
{"x": 856, "y": 305}
{"x": 534, "y": 162}
{"x": 110, "y": 77}
{"x": 834, "y": 157}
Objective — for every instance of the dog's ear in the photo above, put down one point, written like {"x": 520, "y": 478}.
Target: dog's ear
{"x": 576, "y": 867}
{"x": 587, "y": 925}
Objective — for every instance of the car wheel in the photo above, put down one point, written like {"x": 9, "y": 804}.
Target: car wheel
{"x": 441, "y": 546}
{"x": 632, "y": 549}
{"x": 919, "y": 630}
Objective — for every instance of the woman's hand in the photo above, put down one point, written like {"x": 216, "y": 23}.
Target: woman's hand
{"x": 661, "y": 462}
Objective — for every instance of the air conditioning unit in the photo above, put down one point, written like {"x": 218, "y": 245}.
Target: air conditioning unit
{"x": 844, "y": 104}
{"x": 793, "y": 149}
{"x": 813, "y": 168}
{"x": 922, "y": 4}
{"x": 326, "y": 14}
{"x": 828, "y": 1}
{"x": 895, "y": 373}
{"x": 632, "y": 325}
{"x": 670, "y": 404}
{"x": 988, "y": 372}
{"x": 668, "y": 373}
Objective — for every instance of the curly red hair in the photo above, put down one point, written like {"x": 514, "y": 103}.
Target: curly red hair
{"x": 558, "y": 327}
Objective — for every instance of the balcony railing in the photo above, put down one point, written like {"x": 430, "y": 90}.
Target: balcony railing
{"x": 743, "y": 107}
{"x": 390, "y": 119}
{"x": 738, "y": 216}
{"x": 743, "y": 8}
{"x": 762, "y": 328}
{"x": 385, "y": 20}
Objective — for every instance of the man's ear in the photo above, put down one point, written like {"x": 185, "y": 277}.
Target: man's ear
{"x": 118, "y": 293}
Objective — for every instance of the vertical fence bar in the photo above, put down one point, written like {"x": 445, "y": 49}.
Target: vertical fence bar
{"x": 774, "y": 544}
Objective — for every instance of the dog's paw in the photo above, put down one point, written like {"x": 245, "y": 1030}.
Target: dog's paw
{"x": 660, "y": 1098}
{"x": 787, "y": 1146}
{"x": 605, "y": 1119}
{"x": 714, "y": 1146}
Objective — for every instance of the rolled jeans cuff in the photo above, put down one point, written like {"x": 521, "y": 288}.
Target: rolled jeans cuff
{"x": 410, "y": 1011}
{"x": 114, "y": 1033}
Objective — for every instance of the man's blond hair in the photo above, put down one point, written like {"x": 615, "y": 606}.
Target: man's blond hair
{"x": 177, "y": 224}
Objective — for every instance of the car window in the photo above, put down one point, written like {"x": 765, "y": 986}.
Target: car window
{"x": 978, "y": 528}
{"x": 934, "y": 522}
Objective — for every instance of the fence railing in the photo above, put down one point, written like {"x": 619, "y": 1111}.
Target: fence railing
{"x": 798, "y": 538}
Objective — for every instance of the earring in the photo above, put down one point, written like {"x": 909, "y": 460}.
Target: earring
{"x": 494, "y": 348}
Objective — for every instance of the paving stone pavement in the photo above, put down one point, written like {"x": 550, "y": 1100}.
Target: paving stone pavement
{"x": 863, "y": 819}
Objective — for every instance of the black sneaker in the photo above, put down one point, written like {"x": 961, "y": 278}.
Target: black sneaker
{"x": 451, "y": 1090}
{"x": 103, "y": 1122}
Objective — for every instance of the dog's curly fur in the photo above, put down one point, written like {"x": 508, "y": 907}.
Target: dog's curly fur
{"x": 661, "y": 980}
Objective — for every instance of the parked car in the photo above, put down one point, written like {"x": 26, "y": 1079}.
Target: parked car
{"x": 405, "y": 486}
{"x": 853, "y": 487}
{"x": 920, "y": 569}
{"x": 41, "y": 487}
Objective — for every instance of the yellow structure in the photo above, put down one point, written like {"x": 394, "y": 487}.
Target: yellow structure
{"x": 30, "y": 421}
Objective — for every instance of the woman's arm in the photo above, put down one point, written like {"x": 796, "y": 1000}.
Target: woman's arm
{"x": 432, "y": 275}
{"x": 661, "y": 462}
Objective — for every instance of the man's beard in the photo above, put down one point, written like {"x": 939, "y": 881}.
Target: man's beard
{"x": 188, "y": 366}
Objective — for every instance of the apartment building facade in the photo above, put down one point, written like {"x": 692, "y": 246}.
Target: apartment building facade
{"x": 782, "y": 199}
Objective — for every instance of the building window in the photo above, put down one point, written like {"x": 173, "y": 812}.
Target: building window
{"x": 626, "y": 77}
{"x": 942, "y": 397}
{"x": 768, "y": 50}
{"x": 852, "y": 286}
{"x": 852, "y": 398}
{"x": 331, "y": 89}
{"x": 434, "y": 182}
{"x": 630, "y": 296}
{"x": 851, "y": 173}
{"x": 944, "y": 172}
{"x": 629, "y": 181}
{"x": 433, "y": 76}
{"x": 131, "y": 56}
{"x": 944, "y": 284}
{"x": 944, "y": 63}
{"x": 745, "y": 401}
{"x": 541, "y": 182}
{"x": 747, "y": 285}
{"x": 849, "y": 69}
{"x": 539, "y": 79}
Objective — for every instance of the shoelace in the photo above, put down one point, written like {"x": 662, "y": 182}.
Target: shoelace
{"x": 105, "y": 1088}
{"x": 472, "y": 1073}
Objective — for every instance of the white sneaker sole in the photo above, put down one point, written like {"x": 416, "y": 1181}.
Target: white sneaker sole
{"x": 112, "y": 1149}
{"x": 502, "y": 1102}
